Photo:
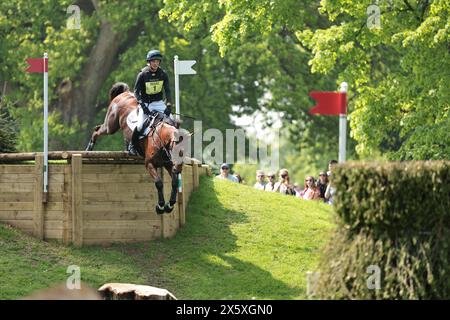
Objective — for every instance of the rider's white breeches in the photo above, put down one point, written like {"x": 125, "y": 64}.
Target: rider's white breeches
{"x": 155, "y": 105}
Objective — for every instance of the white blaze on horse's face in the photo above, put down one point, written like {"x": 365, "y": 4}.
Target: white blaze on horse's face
{"x": 181, "y": 146}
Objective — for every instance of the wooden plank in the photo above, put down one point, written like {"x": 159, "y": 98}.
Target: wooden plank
{"x": 54, "y": 234}
{"x": 117, "y": 178}
{"x": 120, "y": 224}
{"x": 56, "y": 169}
{"x": 28, "y": 178}
{"x": 119, "y": 215}
{"x": 125, "y": 188}
{"x": 17, "y": 177}
{"x": 53, "y": 224}
{"x": 103, "y": 242}
{"x": 16, "y": 197}
{"x": 56, "y": 196}
{"x": 16, "y": 215}
{"x": 115, "y": 234}
{"x": 141, "y": 205}
{"x": 19, "y": 206}
{"x": 38, "y": 214}
{"x": 16, "y": 168}
{"x": 16, "y": 187}
{"x": 97, "y": 197}
{"x": 77, "y": 201}
{"x": 54, "y": 215}
{"x": 114, "y": 168}
{"x": 55, "y": 206}
{"x": 28, "y": 187}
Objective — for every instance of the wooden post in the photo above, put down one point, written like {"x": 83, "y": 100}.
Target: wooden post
{"x": 77, "y": 200}
{"x": 67, "y": 205}
{"x": 38, "y": 212}
{"x": 181, "y": 202}
{"x": 195, "y": 179}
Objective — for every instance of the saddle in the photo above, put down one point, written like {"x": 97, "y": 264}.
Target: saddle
{"x": 151, "y": 121}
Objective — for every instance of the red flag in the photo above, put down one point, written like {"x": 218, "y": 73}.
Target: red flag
{"x": 329, "y": 102}
{"x": 37, "y": 65}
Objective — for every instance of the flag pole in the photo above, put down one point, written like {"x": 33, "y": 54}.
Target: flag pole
{"x": 343, "y": 128}
{"x": 177, "y": 88}
{"x": 45, "y": 128}
{"x": 177, "y": 108}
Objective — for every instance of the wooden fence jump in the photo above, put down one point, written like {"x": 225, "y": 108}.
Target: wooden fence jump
{"x": 94, "y": 198}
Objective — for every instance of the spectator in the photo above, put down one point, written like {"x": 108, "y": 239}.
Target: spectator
{"x": 322, "y": 184}
{"x": 271, "y": 184}
{"x": 330, "y": 191}
{"x": 311, "y": 192}
{"x": 283, "y": 185}
{"x": 225, "y": 173}
{"x": 260, "y": 183}
{"x": 331, "y": 165}
{"x": 297, "y": 190}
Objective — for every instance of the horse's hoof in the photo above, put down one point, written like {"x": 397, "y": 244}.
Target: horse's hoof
{"x": 168, "y": 208}
{"x": 160, "y": 209}
{"x": 89, "y": 147}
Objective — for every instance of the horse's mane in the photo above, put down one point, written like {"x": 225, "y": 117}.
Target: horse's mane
{"x": 116, "y": 89}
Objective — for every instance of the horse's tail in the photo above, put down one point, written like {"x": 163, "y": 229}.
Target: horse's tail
{"x": 116, "y": 89}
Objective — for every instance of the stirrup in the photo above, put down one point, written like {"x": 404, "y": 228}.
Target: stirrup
{"x": 131, "y": 150}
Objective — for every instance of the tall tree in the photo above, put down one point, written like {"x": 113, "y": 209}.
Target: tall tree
{"x": 260, "y": 37}
{"x": 397, "y": 70}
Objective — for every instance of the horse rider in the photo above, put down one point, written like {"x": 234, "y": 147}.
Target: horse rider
{"x": 148, "y": 91}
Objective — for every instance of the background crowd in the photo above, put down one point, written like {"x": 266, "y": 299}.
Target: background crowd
{"x": 314, "y": 188}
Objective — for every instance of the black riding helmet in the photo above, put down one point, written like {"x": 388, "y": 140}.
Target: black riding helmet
{"x": 154, "y": 55}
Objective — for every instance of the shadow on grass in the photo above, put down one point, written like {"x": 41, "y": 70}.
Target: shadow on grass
{"x": 198, "y": 263}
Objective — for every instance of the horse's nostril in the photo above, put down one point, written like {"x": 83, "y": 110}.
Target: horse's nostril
{"x": 180, "y": 153}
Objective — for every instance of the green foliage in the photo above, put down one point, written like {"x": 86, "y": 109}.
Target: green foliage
{"x": 8, "y": 131}
{"x": 27, "y": 29}
{"x": 394, "y": 216}
{"x": 398, "y": 74}
{"x": 259, "y": 37}
{"x": 31, "y": 135}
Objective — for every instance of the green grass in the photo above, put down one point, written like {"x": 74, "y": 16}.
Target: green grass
{"x": 238, "y": 243}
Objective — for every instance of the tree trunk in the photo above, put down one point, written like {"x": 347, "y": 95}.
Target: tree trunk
{"x": 78, "y": 102}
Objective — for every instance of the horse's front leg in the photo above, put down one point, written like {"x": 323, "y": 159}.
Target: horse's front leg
{"x": 173, "y": 195}
{"x": 98, "y": 131}
{"x": 159, "y": 186}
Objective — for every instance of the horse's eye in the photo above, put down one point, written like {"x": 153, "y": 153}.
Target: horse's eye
{"x": 180, "y": 139}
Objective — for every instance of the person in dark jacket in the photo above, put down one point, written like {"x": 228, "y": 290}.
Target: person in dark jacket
{"x": 151, "y": 84}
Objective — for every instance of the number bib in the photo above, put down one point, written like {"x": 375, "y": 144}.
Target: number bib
{"x": 153, "y": 87}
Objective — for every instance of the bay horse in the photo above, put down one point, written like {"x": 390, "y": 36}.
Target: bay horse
{"x": 162, "y": 146}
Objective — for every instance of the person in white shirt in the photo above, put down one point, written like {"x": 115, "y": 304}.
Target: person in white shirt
{"x": 331, "y": 190}
{"x": 271, "y": 184}
{"x": 284, "y": 186}
{"x": 225, "y": 173}
{"x": 260, "y": 183}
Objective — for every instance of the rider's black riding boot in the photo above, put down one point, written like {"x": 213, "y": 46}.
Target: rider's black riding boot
{"x": 134, "y": 138}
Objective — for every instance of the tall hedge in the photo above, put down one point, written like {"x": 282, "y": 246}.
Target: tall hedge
{"x": 396, "y": 217}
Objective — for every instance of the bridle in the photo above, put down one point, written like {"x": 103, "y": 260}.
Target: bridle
{"x": 166, "y": 147}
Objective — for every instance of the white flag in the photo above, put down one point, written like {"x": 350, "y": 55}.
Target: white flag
{"x": 185, "y": 67}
